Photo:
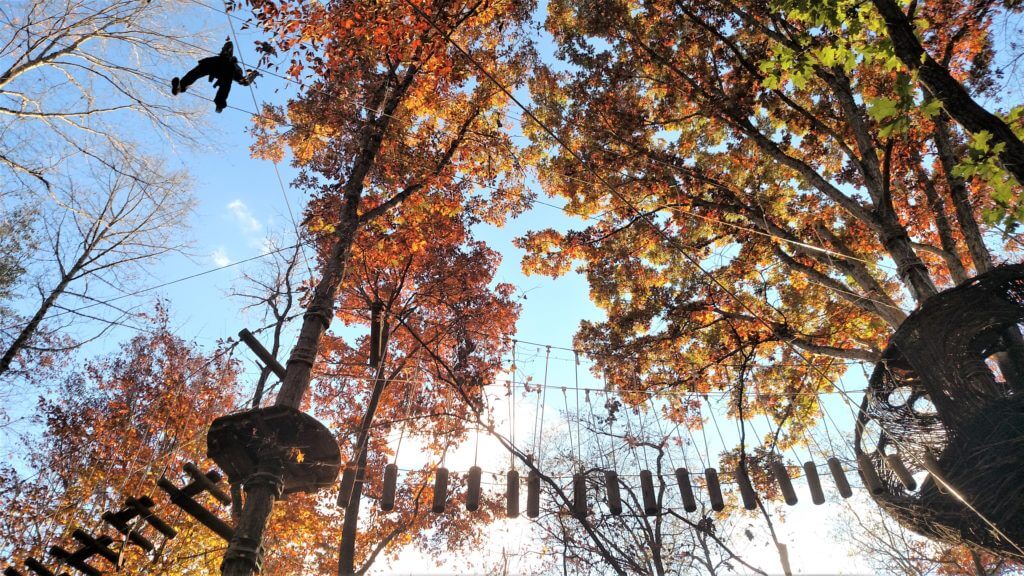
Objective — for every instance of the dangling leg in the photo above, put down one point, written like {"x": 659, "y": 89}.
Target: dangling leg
{"x": 223, "y": 89}
{"x": 204, "y": 68}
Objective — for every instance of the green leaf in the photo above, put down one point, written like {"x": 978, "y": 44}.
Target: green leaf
{"x": 882, "y": 108}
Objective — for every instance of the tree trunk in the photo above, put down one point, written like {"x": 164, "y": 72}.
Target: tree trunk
{"x": 959, "y": 194}
{"x": 955, "y": 99}
{"x": 347, "y": 548}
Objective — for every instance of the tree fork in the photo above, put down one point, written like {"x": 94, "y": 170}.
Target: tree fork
{"x": 955, "y": 99}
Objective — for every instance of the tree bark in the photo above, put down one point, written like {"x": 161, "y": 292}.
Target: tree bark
{"x": 955, "y": 99}
{"x": 960, "y": 196}
{"x": 347, "y": 548}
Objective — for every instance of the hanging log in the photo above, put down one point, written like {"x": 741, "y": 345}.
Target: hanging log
{"x": 868, "y": 474}
{"x": 579, "y": 495}
{"x": 746, "y": 490}
{"x": 611, "y": 487}
{"x": 651, "y": 507}
{"x": 387, "y": 497}
{"x": 785, "y": 484}
{"x": 814, "y": 482}
{"x": 532, "y": 494}
{"x": 686, "y": 489}
{"x": 473, "y": 489}
{"x": 512, "y": 494}
{"x": 440, "y": 490}
{"x": 376, "y": 333}
{"x": 898, "y": 468}
{"x": 839, "y": 476}
{"x": 714, "y": 490}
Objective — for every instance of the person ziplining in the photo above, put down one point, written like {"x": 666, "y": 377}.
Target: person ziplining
{"x": 222, "y": 70}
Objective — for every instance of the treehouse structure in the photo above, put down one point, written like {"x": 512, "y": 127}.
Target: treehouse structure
{"x": 940, "y": 435}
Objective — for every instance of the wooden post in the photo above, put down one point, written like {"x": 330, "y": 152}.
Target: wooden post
{"x": 262, "y": 353}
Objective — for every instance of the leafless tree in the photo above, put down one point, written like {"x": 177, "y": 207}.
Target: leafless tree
{"x": 634, "y": 542}
{"x": 101, "y": 234}
{"x": 84, "y": 108}
{"x": 75, "y": 73}
{"x": 272, "y": 291}
{"x": 892, "y": 549}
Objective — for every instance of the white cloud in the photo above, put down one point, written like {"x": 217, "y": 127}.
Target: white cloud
{"x": 220, "y": 257}
{"x": 244, "y": 217}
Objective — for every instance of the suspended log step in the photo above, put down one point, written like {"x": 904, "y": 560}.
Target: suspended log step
{"x": 784, "y": 482}
{"x": 440, "y": 491}
{"x": 746, "y": 490}
{"x": 579, "y": 495}
{"x": 473, "y": 489}
{"x": 895, "y": 464}
{"x": 686, "y": 490}
{"x": 714, "y": 490}
{"x": 867, "y": 473}
{"x": 184, "y": 498}
{"x": 532, "y": 494}
{"x": 814, "y": 482}
{"x": 611, "y": 486}
{"x": 651, "y": 506}
{"x": 512, "y": 494}
{"x": 839, "y": 476}
{"x": 387, "y": 498}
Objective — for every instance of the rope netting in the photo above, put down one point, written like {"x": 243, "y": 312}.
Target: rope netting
{"x": 945, "y": 402}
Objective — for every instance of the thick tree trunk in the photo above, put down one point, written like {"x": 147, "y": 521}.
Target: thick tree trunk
{"x": 955, "y": 99}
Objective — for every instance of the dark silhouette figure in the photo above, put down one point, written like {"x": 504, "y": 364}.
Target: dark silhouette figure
{"x": 222, "y": 69}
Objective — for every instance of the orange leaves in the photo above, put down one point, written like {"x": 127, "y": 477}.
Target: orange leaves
{"x": 546, "y": 253}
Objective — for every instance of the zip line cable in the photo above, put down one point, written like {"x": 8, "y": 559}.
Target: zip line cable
{"x": 277, "y": 171}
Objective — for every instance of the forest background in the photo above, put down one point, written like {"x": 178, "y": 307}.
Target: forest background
{"x": 93, "y": 371}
